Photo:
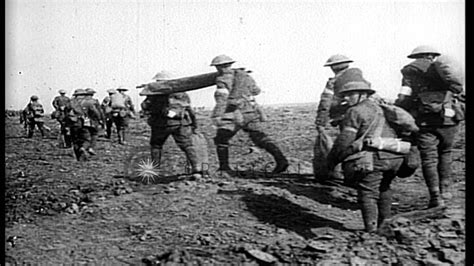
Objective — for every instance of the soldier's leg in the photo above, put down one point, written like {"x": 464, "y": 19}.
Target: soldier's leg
{"x": 368, "y": 197}
{"x": 221, "y": 141}
{"x": 445, "y": 148}
{"x": 94, "y": 134}
{"x": 31, "y": 128}
{"x": 263, "y": 141}
{"x": 41, "y": 128}
{"x": 123, "y": 130}
{"x": 385, "y": 197}
{"x": 159, "y": 134}
{"x": 85, "y": 139}
{"x": 428, "y": 146}
{"x": 77, "y": 142}
{"x": 182, "y": 137}
{"x": 108, "y": 127}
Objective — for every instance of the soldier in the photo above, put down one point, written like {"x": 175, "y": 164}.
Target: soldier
{"x": 59, "y": 103}
{"x": 107, "y": 110}
{"x": 33, "y": 115}
{"x": 80, "y": 116}
{"x": 330, "y": 104}
{"x": 374, "y": 174}
{"x": 427, "y": 99}
{"x": 95, "y": 116}
{"x": 236, "y": 109}
{"x": 171, "y": 115}
{"x": 121, "y": 113}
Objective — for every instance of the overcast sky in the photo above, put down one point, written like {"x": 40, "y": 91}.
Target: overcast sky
{"x": 52, "y": 45}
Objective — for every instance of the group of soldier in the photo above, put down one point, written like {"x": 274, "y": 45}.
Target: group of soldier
{"x": 348, "y": 103}
{"x": 81, "y": 118}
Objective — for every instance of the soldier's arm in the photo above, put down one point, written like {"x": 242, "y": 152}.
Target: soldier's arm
{"x": 322, "y": 116}
{"x": 220, "y": 95}
{"x": 130, "y": 104}
{"x": 55, "y": 103}
{"x": 342, "y": 146}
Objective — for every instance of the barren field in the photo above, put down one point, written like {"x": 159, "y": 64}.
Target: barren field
{"x": 60, "y": 211}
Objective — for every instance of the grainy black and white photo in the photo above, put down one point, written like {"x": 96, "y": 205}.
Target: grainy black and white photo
{"x": 229, "y": 132}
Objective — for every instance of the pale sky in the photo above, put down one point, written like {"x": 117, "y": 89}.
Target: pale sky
{"x": 71, "y": 44}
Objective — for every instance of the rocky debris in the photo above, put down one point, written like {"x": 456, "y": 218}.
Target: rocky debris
{"x": 261, "y": 256}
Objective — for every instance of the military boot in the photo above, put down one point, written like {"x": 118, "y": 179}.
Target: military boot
{"x": 223, "y": 156}
{"x": 91, "y": 150}
{"x": 384, "y": 206}
{"x": 196, "y": 167}
{"x": 369, "y": 214}
{"x": 156, "y": 156}
{"x": 430, "y": 173}
{"x": 280, "y": 159}
{"x": 121, "y": 137}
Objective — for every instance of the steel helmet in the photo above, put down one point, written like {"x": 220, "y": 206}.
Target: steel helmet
{"x": 89, "y": 91}
{"x": 221, "y": 60}
{"x": 162, "y": 75}
{"x": 423, "y": 49}
{"x": 357, "y": 86}
{"x": 61, "y": 91}
{"x": 337, "y": 59}
{"x": 352, "y": 80}
{"x": 122, "y": 89}
{"x": 111, "y": 91}
{"x": 34, "y": 97}
{"x": 79, "y": 92}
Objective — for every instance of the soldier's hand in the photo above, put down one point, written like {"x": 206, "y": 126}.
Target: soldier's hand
{"x": 320, "y": 128}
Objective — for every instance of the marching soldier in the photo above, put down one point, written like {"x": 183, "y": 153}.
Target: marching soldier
{"x": 236, "y": 109}
{"x": 96, "y": 118}
{"x": 172, "y": 115}
{"x": 82, "y": 113}
{"x": 428, "y": 99}
{"x": 32, "y": 116}
{"x": 60, "y": 103}
{"x": 75, "y": 121}
{"x": 374, "y": 171}
{"x": 107, "y": 110}
{"x": 122, "y": 110}
{"x": 330, "y": 104}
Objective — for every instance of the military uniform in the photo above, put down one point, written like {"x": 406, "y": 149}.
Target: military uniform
{"x": 107, "y": 111}
{"x": 373, "y": 184}
{"x": 435, "y": 139}
{"x": 82, "y": 114}
{"x": 172, "y": 115}
{"x": 32, "y": 116}
{"x": 236, "y": 109}
{"x": 95, "y": 116}
{"x": 330, "y": 106}
{"x": 60, "y": 103}
{"x": 121, "y": 116}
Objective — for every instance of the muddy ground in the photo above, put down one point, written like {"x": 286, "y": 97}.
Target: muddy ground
{"x": 59, "y": 210}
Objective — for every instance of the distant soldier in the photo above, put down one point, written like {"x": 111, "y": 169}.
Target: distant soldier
{"x": 330, "y": 106}
{"x": 237, "y": 109}
{"x": 372, "y": 170}
{"x": 96, "y": 118}
{"x": 430, "y": 100}
{"x": 60, "y": 103}
{"x": 172, "y": 115}
{"x": 107, "y": 110}
{"x": 33, "y": 115}
{"x": 122, "y": 109}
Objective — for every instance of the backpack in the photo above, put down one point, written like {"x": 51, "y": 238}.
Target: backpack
{"x": 399, "y": 119}
{"x": 117, "y": 100}
{"x": 448, "y": 74}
